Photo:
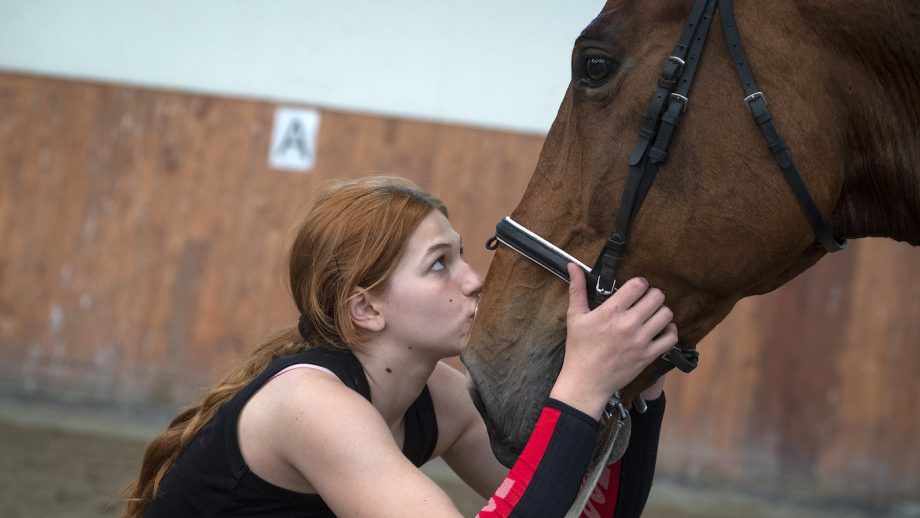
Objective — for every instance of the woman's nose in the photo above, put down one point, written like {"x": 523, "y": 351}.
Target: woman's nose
{"x": 472, "y": 283}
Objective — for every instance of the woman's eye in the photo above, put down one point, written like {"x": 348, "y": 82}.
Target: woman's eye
{"x": 438, "y": 265}
{"x": 598, "y": 69}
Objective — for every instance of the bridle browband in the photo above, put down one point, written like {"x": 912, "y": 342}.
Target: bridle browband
{"x": 668, "y": 103}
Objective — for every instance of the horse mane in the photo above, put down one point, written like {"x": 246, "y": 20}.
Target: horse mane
{"x": 879, "y": 80}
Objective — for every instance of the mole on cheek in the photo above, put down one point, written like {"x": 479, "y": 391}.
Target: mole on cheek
{"x": 389, "y": 369}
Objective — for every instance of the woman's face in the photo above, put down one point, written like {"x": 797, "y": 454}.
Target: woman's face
{"x": 431, "y": 298}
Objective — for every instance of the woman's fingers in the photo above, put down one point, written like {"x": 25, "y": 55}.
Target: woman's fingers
{"x": 617, "y": 340}
{"x": 657, "y": 322}
{"x": 664, "y": 341}
{"x": 639, "y": 308}
{"x": 578, "y": 298}
{"x": 650, "y": 302}
{"x": 628, "y": 294}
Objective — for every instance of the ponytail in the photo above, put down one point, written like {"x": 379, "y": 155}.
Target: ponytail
{"x": 163, "y": 451}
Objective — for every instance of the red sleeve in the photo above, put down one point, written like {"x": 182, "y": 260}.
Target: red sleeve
{"x": 546, "y": 477}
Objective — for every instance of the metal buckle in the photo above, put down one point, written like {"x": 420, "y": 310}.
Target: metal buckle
{"x": 684, "y": 101}
{"x": 614, "y": 404}
{"x": 672, "y": 75}
{"x": 753, "y": 97}
{"x": 602, "y": 291}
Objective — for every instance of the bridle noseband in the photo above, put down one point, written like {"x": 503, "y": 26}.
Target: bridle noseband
{"x": 668, "y": 103}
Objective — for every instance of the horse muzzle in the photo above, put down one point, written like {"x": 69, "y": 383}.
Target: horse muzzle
{"x": 504, "y": 447}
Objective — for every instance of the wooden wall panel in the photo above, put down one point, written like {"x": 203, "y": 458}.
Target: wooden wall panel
{"x": 141, "y": 252}
{"x": 143, "y": 231}
{"x": 814, "y": 386}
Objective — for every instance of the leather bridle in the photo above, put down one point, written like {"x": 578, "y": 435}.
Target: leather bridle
{"x": 669, "y": 101}
{"x": 668, "y": 104}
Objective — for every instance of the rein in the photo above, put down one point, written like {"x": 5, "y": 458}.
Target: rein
{"x": 669, "y": 101}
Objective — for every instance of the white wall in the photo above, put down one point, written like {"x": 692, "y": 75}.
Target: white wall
{"x": 496, "y": 63}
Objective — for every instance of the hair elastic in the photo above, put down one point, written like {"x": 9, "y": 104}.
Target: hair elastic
{"x": 304, "y": 328}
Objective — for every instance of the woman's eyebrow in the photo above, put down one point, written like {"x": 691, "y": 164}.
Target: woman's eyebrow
{"x": 437, "y": 247}
{"x": 441, "y": 245}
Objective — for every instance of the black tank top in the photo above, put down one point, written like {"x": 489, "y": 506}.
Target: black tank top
{"x": 210, "y": 477}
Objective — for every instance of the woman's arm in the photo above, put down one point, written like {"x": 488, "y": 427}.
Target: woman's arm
{"x": 350, "y": 457}
{"x": 342, "y": 446}
{"x": 638, "y": 463}
{"x": 610, "y": 345}
{"x": 624, "y": 487}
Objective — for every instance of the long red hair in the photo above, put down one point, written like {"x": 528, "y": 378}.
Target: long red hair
{"x": 353, "y": 236}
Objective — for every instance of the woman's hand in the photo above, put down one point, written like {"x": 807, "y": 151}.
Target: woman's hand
{"x": 608, "y": 347}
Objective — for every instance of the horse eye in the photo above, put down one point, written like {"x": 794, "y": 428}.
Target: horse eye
{"x": 598, "y": 69}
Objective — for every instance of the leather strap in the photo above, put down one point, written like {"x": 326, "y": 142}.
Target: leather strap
{"x": 757, "y": 104}
{"x": 672, "y": 93}
{"x": 681, "y": 97}
{"x": 666, "y": 107}
{"x": 643, "y": 169}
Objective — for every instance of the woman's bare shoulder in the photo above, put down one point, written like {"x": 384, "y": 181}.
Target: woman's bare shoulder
{"x": 304, "y": 407}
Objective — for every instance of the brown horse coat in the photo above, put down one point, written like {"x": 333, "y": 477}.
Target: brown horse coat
{"x": 720, "y": 223}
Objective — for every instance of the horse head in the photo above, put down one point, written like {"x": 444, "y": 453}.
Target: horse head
{"x": 720, "y": 222}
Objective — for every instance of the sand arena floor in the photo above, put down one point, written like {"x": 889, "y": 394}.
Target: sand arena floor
{"x": 70, "y": 461}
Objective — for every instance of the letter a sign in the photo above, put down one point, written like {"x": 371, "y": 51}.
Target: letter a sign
{"x": 293, "y": 146}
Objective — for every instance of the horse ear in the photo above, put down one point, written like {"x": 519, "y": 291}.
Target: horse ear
{"x": 363, "y": 313}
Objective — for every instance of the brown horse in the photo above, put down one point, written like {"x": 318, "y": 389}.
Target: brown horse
{"x": 719, "y": 223}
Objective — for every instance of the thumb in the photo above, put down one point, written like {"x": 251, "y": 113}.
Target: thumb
{"x": 578, "y": 299}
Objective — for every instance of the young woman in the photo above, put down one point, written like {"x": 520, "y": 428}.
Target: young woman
{"x": 334, "y": 416}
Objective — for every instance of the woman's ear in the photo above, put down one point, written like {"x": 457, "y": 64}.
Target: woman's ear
{"x": 363, "y": 313}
